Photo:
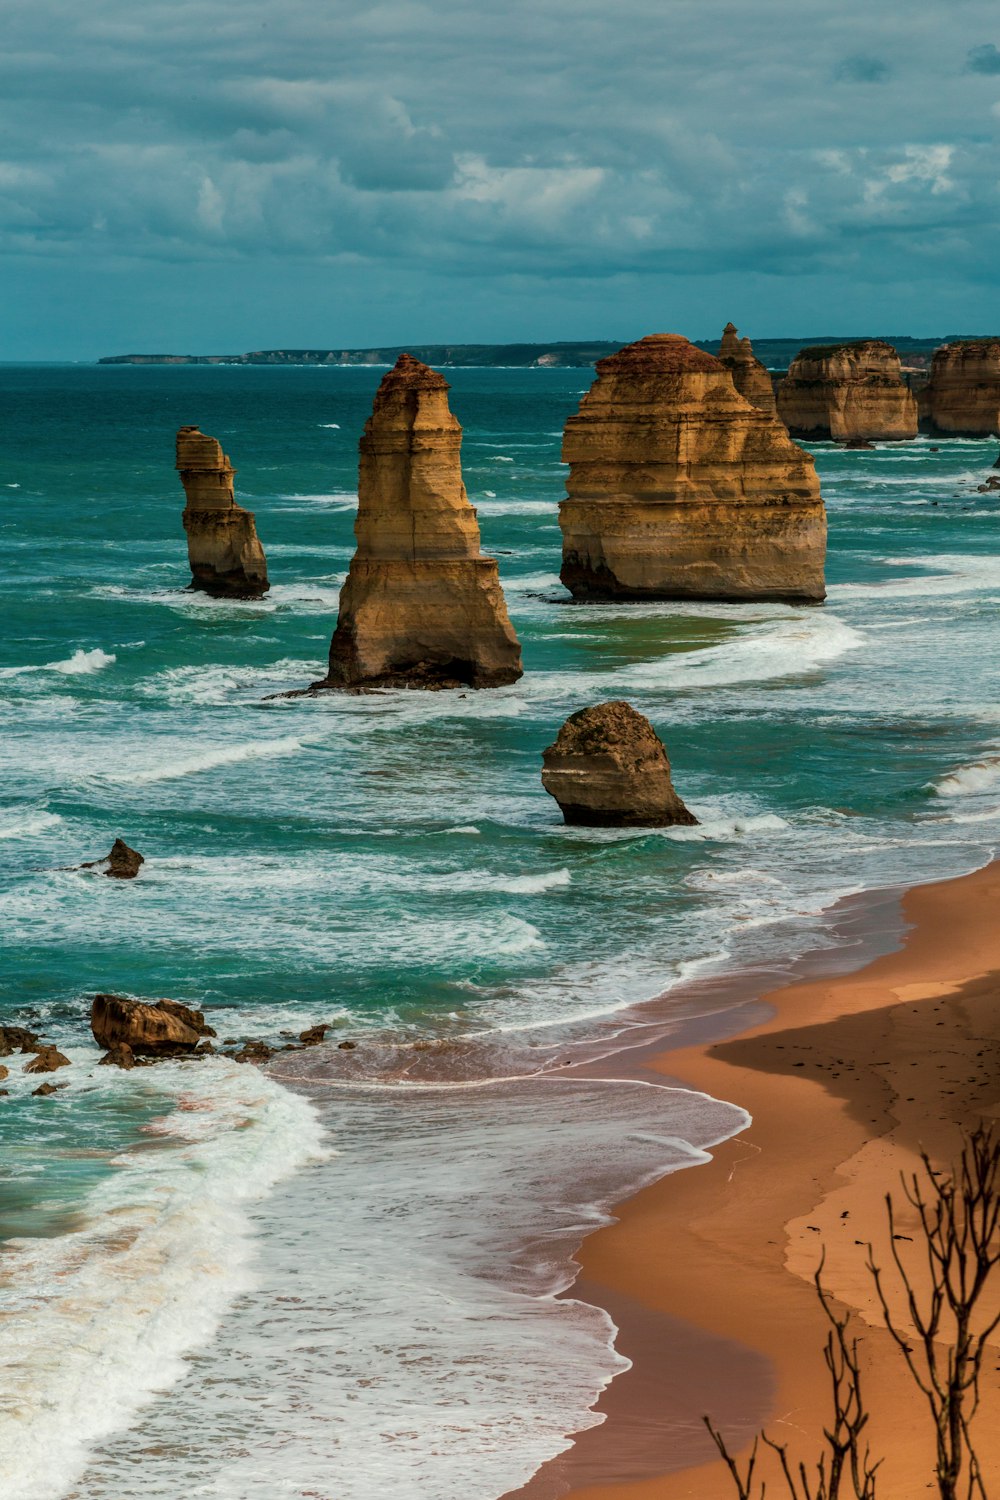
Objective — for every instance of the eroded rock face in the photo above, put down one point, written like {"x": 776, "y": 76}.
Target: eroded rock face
{"x": 963, "y": 394}
{"x": 422, "y": 606}
{"x": 164, "y": 1029}
{"x": 608, "y": 768}
{"x": 226, "y": 558}
{"x": 122, "y": 863}
{"x": 750, "y": 377}
{"x": 848, "y": 392}
{"x": 679, "y": 488}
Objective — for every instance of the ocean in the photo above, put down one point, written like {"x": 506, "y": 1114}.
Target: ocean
{"x": 341, "y": 1277}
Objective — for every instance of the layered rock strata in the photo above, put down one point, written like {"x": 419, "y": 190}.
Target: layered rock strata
{"x": 962, "y": 397}
{"x": 680, "y": 488}
{"x": 851, "y": 393}
{"x": 422, "y": 606}
{"x": 750, "y": 377}
{"x": 608, "y": 768}
{"x": 226, "y": 558}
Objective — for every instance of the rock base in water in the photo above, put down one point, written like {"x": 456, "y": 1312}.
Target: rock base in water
{"x": 122, "y": 863}
{"x": 679, "y": 488}
{"x": 226, "y": 558}
{"x": 851, "y": 393}
{"x": 422, "y": 606}
{"x": 609, "y": 768}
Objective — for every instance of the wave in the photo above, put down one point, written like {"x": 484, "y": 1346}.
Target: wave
{"x": 209, "y": 760}
{"x": 946, "y": 574}
{"x": 100, "y": 1321}
{"x": 22, "y": 823}
{"x": 81, "y": 663}
{"x": 968, "y": 781}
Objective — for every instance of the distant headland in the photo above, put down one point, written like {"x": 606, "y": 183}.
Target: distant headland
{"x": 777, "y": 354}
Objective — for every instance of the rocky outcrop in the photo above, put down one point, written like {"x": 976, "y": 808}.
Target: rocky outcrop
{"x": 679, "y": 488}
{"x": 19, "y": 1039}
{"x": 962, "y": 397}
{"x": 122, "y": 863}
{"x": 750, "y": 377}
{"x": 118, "y": 1056}
{"x": 848, "y": 392}
{"x": 165, "y": 1029}
{"x": 422, "y": 606}
{"x": 46, "y": 1060}
{"x": 226, "y": 558}
{"x": 608, "y": 768}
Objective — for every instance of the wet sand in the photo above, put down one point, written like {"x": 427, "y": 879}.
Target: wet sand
{"x": 708, "y": 1272}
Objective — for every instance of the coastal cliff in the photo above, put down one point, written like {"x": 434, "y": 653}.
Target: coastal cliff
{"x": 963, "y": 395}
{"x": 226, "y": 558}
{"x": 852, "y": 393}
{"x": 750, "y": 377}
{"x": 679, "y": 488}
{"x": 422, "y": 606}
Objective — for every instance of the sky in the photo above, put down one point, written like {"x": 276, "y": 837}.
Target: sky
{"x": 214, "y": 176}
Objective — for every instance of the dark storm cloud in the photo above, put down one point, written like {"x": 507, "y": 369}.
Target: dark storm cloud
{"x": 862, "y": 70}
{"x": 538, "y": 138}
{"x": 984, "y": 59}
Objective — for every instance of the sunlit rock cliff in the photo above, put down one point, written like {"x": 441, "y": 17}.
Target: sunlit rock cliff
{"x": 963, "y": 394}
{"x": 422, "y": 606}
{"x": 225, "y": 556}
{"x": 750, "y": 377}
{"x": 679, "y": 488}
{"x": 852, "y": 393}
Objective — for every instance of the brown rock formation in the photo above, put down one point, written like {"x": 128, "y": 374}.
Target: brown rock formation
{"x": 47, "y": 1060}
{"x": 608, "y": 768}
{"x": 422, "y": 606}
{"x": 226, "y": 558}
{"x": 121, "y": 864}
{"x": 679, "y": 488}
{"x": 44, "y": 1089}
{"x": 18, "y": 1038}
{"x": 164, "y": 1029}
{"x": 849, "y": 392}
{"x": 4, "y": 1073}
{"x": 750, "y": 377}
{"x": 118, "y": 1056}
{"x": 963, "y": 395}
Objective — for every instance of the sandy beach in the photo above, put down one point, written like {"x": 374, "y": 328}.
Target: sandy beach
{"x": 708, "y": 1272}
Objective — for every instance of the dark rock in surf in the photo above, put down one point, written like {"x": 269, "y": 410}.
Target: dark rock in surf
{"x": 121, "y": 864}
{"x": 18, "y": 1039}
{"x": 118, "y": 1056}
{"x": 44, "y": 1089}
{"x": 166, "y": 1029}
{"x": 47, "y": 1060}
{"x": 608, "y": 768}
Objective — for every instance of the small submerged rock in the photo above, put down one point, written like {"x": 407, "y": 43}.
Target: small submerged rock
{"x": 608, "y": 768}
{"x": 118, "y": 1056}
{"x": 44, "y": 1089}
{"x": 47, "y": 1060}
{"x": 121, "y": 864}
{"x": 4, "y": 1073}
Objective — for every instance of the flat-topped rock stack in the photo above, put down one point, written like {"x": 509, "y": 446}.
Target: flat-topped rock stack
{"x": 851, "y": 393}
{"x": 750, "y": 377}
{"x": 422, "y": 606}
{"x": 226, "y": 558}
{"x": 680, "y": 488}
{"x": 962, "y": 396}
{"x": 608, "y": 768}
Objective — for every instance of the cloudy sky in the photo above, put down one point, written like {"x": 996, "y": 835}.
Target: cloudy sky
{"x": 222, "y": 175}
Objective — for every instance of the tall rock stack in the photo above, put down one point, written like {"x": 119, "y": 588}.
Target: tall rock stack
{"x": 679, "y": 488}
{"x": 422, "y": 606}
{"x": 852, "y": 393}
{"x": 750, "y": 377}
{"x": 963, "y": 395}
{"x": 225, "y": 556}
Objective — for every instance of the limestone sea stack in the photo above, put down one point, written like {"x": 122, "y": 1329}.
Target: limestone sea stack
{"x": 608, "y": 768}
{"x": 851, "y": 393}
{"x": 226, "y": 558}
{"x": 962, "y": 397}
{"x": 680, "y": 488}
{"x": 422, "y": 606}
{"x": 750, "y": 377}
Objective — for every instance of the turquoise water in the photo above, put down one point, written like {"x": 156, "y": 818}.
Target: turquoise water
{"x": 391, "y": 864}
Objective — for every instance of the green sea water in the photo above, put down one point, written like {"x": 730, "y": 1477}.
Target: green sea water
{"x": 390, "y": 863}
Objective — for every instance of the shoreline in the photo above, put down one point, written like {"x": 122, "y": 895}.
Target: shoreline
{"x": 707, "y": 1272}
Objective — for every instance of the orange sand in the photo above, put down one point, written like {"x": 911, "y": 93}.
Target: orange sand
{"x": 846, "y": 1082}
